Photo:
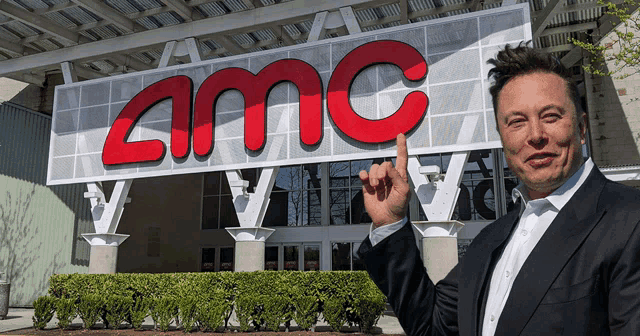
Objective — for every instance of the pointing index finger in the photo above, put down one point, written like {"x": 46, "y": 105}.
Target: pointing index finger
{"x": 402, "y": 158}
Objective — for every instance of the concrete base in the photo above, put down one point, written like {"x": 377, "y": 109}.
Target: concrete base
{"x": 440, "y": 255}
{"x": 103, "y": 259}
{"x": 249, "y": 256}
{"x": 5, "y": 290}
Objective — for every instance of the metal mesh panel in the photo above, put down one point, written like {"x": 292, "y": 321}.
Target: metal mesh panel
{"x": 89, "y": 165}
{"x": 340, "y": 49}
{"x": 67, "y": 98}
{"x": 365, "y": 106}
{"x": 91, "y": 141}
{"x": 277, "y": 119}
{"x": 452, "y": 36}
{"x": 456, "y": 97}
{"x": 390, "y": 77}
{"x": 64, "y": 144}
{"x": 458, "y": 129}
{"x": 274, "y": 149}
{"x": 492, "y": 130}
{"x": 156, "y": 77}
{"x": 453, "y": 67}
{"x": 342, "y": 144}
{"x": 62, "y": 168}
{"x": 413, "y": 37}
{"x": 197, "y": 75}
{"x": 317, "y": 57}
{"x": 229, "y": 125}
{"x": 228, "y": 152}
{"x": 66, "y": 121}
{"x": 257, "y": 63}
{"x": 125, "y": 89}
{"x": 94, "y": 117}
{"x": 459, "y": 103}
{"x": 160, "y": 111}
{"x": 95, "y": 94}
{"x": 502, "y": 28}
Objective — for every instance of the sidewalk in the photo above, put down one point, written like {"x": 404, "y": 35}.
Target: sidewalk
{"x": 20, "y": 318}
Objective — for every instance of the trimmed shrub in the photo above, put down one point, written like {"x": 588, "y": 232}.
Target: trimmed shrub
{"x": 247, "y": 311}
{"x": 211, "y": 314}
{"x": 163, "y": 311}
{"x": 43, "y": 308}
{"x": 90, "y": 308}
{"x": 306, "y": 311}
{"x": 335, "y": 312}
{"x": 187, "y": 306}
{"x": 65, "y": 312}
{"x": 116, "y": 309}
{"x": 369, "y": 309}
{"x": 275, "y": 311}
{"x": 139, "y": 310}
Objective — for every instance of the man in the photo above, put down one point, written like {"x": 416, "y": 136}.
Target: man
{"x": 566, "y": 260}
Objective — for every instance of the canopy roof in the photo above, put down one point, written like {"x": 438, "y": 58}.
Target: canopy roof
{"x": 116, "y": 36}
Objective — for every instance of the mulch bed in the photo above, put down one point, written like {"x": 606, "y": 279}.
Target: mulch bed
{"x": 77, "y": 331}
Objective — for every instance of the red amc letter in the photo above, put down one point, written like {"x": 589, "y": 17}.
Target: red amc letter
{"x": 255, "y": 89}
{"x": 116, "y": 148}
{"x": 411, "y": 111}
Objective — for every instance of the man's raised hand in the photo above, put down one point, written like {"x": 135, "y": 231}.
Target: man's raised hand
{"x": 386, "y": 188}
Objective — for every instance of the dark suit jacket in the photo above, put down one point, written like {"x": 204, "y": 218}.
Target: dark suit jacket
{"x": 582, "y": 278}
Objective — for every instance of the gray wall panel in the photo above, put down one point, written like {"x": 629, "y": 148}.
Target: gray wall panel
{"x": 39, "y": 225}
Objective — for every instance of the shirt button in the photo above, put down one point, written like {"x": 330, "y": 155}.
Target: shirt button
{"x": 524, "y": 232}
{"x": 493, "y": 318}
{"x": 507, "y": 273}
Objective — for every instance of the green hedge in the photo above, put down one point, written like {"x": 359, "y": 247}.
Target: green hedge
{"x": 262, "y": 300}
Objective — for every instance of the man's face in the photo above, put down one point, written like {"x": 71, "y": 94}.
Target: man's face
{"x": 540, "y": 131}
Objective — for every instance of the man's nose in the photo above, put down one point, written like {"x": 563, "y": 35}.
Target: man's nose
{"x": 537, "y": 135}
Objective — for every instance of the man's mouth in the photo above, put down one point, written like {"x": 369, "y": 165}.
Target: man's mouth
{"x": 540, "y": 160}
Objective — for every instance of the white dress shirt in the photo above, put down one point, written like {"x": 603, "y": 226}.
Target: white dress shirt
{"x": 535, "y": 218}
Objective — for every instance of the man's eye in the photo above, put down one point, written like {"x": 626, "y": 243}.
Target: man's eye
{"x": 516, "y": 122}
{"x": 551, "y": 117}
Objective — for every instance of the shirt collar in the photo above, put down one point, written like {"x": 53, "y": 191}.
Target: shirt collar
{"x": 562, "y": 195}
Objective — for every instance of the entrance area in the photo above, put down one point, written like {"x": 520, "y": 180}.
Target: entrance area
{"x": 292, "y": 257}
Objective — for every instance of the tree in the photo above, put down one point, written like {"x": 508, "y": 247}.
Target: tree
{"x": 621, "y": 55}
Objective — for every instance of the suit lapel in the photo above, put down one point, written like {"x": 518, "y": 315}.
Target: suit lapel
{"x": 476, "y": 266}
{"x": 563, "y": 237}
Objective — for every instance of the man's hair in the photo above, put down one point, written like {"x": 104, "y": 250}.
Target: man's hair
{"x": 522, "y": 60}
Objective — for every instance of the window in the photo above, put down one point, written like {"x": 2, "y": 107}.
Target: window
{"x": 477, "y": 200}
{"x": 210, "y": 261}
{"x": 344, "y": 257}
{"x": 218, "y": 211}
{"x": 345, "y": 192}
{"x": 295, "y": 197}
{"x": 292, "y": 257}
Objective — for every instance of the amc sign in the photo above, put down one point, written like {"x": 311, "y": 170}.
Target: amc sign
{"x": 331, "y": 100}
{"x": 255, "y": 89}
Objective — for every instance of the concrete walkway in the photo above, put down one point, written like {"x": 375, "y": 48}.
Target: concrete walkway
{"x": 20, "y": 318}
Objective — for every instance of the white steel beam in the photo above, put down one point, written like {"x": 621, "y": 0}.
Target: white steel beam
{"x": 547, "y": 14}
{"x": 569, "y": 29}
{"x": 40, "y": 22}
{"x": 404, "y": 12}
{"x": 251, "y": 207}
{"x": 182, "y": 9}
{"x": 317, "y": 29}
{"x": 109, "y": 14}
{"x": 194, "y": 49}
{"x": 68, "y": 73}
{"x": 12, "y": 48}
{"x": 350, "y": 20}
{"x": 129, "y": 61}
{"x": 167, "y": 54}
{"x": 230, "y": 45}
